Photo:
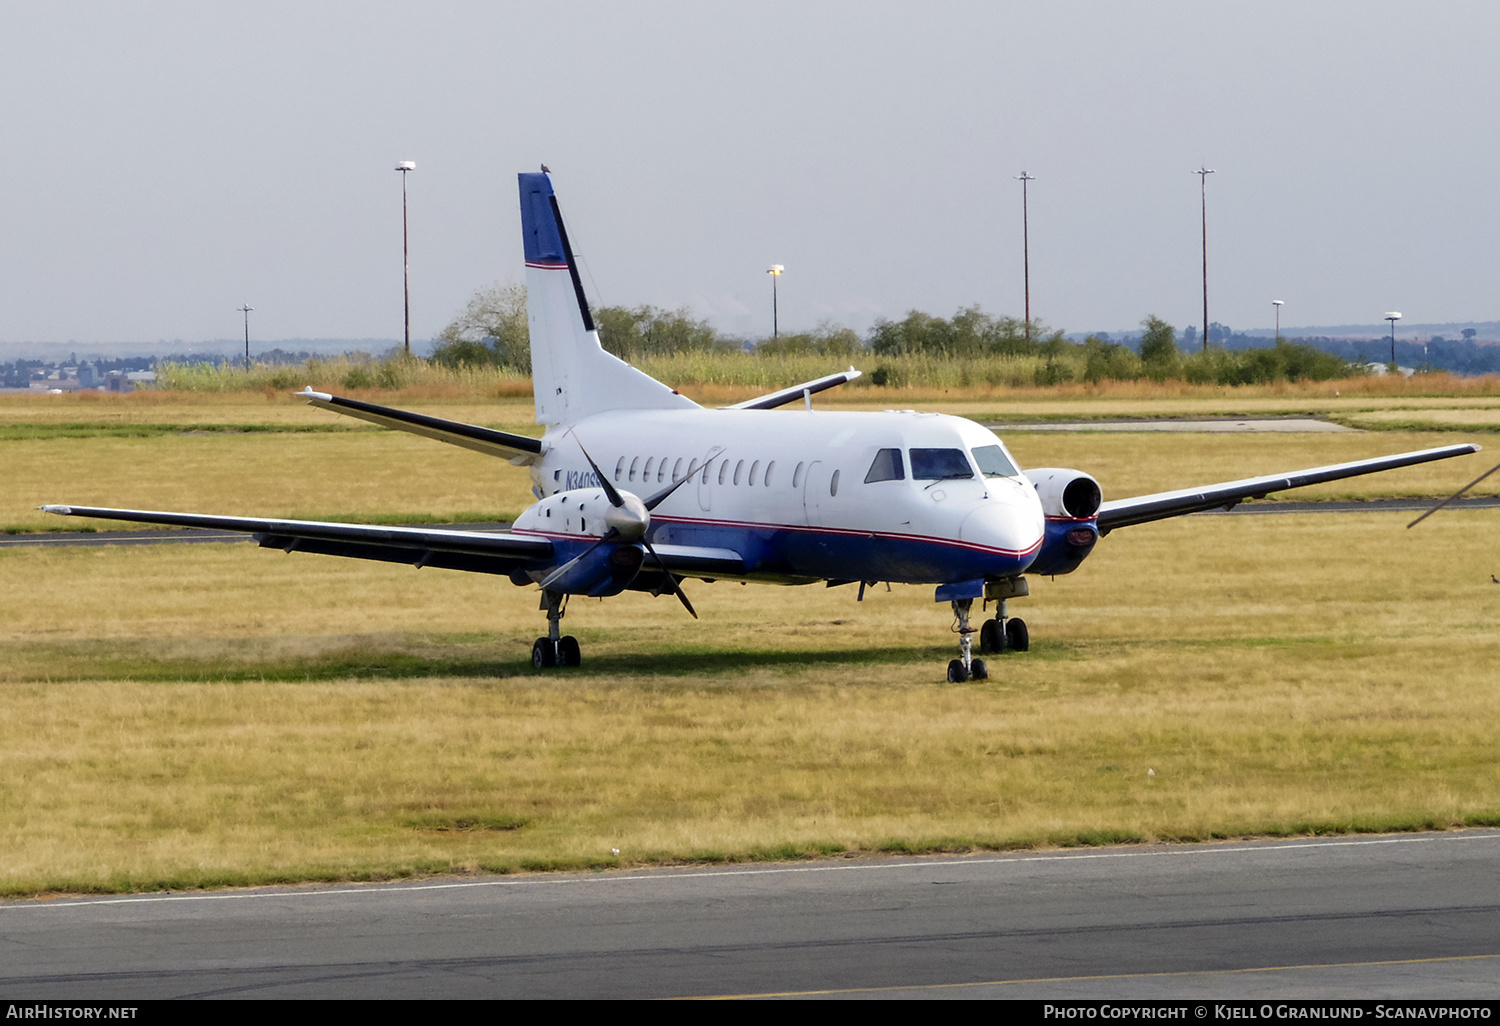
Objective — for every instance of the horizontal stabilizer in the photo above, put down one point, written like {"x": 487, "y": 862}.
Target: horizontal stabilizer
{"x": 518, "y": 449}
{"x": 789, "y": 395}
{"x": 1145, "y": 508}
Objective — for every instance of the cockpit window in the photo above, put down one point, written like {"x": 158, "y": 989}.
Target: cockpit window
{"x": 940, "y": 464}
{"x": 993, "y": 462}
{"x": 887, "y": 467}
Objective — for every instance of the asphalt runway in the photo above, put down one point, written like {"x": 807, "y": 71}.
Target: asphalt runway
{"x": 1404, "y": 916}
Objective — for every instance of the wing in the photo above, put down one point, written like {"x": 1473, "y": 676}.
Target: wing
{"x": 518, "y": 449}
{"x": 1145, "y": 508}
{"x": 478, "y": 551}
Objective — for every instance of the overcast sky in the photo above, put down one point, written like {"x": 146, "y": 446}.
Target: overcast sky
{"x": 164, "y": 163}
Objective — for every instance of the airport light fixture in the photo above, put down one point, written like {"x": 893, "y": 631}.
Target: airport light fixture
{"x": 1278, "y": 304}
{"x": 1393, "y": 317}
{"x": 775, "y": 272}
{"x": 405, "y": 166}
{"x": 1023, "y": 178}
{"x": 1203, "y": 173}
{"x": 246, "y": 311}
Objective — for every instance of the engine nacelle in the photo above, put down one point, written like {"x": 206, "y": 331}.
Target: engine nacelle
{"x": 1066, "y": 493}
{"x": 1070, "y": 499}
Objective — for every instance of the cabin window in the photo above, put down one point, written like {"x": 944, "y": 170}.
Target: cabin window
{"x": 940, "y": 465}
{"x": 677, "y": 471}
{"x": 619, "y": 468}
{"x": 797, "y": 476}
{"x": 769, "y": 467}
{"x": 723, "y": 470}
{"x": 706, "y": 468}
{"x": 633, "y": 464}
{"x": 739, "y": 468}
{"x": 646, "y": 474}
{"x": 887, "y": 467}
{"x": 833, "y": 484}
{"x": 557, "y": 475}
{"x": 661, "y": 469}
{"x": 993, "y": 462}
{"x": 754, "y": 471}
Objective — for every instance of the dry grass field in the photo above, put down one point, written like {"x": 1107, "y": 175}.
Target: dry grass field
{"x": 218, "y": 714}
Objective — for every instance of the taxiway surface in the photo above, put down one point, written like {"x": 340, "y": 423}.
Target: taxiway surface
{"x": 1408, "y": 916}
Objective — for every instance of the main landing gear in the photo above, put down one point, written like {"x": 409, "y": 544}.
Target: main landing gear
{"x": 555, "y": 649}
{"x": 1002, "y": 634}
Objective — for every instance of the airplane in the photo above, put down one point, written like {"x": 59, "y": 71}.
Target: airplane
{"x": 799, "y": 497}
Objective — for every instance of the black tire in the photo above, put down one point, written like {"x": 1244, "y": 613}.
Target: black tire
{"x": 956, "y": 672}
{"x": 567, "y": 652}
{"x": 991, "y": 637}
{"x": 979, "y": 671}
{"x": 544, "y": 654}
{"x": 1017, "y": 638}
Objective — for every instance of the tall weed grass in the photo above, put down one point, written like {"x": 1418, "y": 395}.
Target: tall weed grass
{"x": 734, "y": 375}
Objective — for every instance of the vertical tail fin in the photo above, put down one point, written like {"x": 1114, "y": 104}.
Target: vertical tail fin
{"x": 572, "y": 375}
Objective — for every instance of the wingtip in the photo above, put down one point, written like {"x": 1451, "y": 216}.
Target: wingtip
{"x": 309, "y": 394}
{"x": 60, "y": 510}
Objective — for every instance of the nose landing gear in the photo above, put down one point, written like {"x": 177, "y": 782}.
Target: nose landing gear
{"x": 1002, "y": 634}
{"x": 965, "y": 667}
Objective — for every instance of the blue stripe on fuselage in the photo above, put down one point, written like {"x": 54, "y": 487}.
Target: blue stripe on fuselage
{"x": 779, "y": 551}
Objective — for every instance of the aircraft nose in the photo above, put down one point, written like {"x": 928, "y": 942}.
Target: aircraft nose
{"x": 1005, "y": 521}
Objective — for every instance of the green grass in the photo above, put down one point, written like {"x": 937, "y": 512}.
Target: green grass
{"x": 216, "y": 714}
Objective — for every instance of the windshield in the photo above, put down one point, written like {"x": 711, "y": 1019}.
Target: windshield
{"x": 993, "y": 462}
{"x": 940, "y": 464}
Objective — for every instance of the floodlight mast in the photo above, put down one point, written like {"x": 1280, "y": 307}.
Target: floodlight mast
{"x": 1393, "y": 317}
{"x": 245, "y": 309}
{"x": 1023, "y": 178}
{"x": 1203, "y": 173}
{"x": 405, "y": 166}
{"x": 775, "y": 272}
{"x": 1278, "y": 305}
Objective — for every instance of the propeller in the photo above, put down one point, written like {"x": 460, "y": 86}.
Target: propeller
{"x": 1455, "y": 495}
{"x": 629, "y": 518}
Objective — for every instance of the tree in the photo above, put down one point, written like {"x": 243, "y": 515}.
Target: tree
{"x": 1159, "y": 348}
{"x": 647, "y": 330}
{"x": 491, "y": 329}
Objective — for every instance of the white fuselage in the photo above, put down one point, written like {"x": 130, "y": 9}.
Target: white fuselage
{"x": 789, "y": 490}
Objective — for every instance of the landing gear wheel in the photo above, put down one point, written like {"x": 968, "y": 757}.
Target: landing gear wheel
{"x": 1016, "y": 637}
{"x": 979, "y": 671}
{"x": 567, "y": 651}
{"x": 544, "y": 654}
{"x": 991, "y": 637}
{"x": 956, "y": 672}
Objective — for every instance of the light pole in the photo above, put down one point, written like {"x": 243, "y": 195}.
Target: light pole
{"x": 1278, "y": 305}
{"x": 1393, "y": 317}
{"x": 404, "y": 167}
{"x": 246, "y": 311}
{"x": 775, "y": 272}
{"x": 1023, "y": 178}
{"x": 1203, "y": 173}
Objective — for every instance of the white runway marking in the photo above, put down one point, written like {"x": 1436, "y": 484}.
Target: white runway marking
{"x": 689, "y": 874}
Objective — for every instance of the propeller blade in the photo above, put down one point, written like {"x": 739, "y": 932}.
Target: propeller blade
{"x": 661, "y": 496}
{"x": 610, "y": 491}
{"x": 676, "y": 585}
{"x": 570, "y": 564}
{"x": 1455, "y": 495}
